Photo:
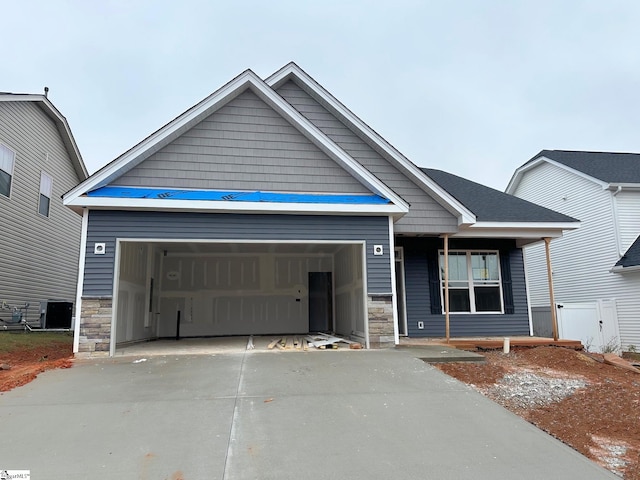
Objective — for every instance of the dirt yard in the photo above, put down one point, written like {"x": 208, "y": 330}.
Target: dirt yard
{"x": 574, "y": 396}
{"x": 25, "y": 355}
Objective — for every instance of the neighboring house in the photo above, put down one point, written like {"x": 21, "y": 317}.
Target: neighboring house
{"x": 269, "y": 207}
{"x": 599, "y": 264}
{"x": 40, "y": 241}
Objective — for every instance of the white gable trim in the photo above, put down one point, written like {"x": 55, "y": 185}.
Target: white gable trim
{"x": 519, "y": 173}
{"x": 248, "y": 79}
{"x": 465, "y": 216}
{"x": 232, "y": 207}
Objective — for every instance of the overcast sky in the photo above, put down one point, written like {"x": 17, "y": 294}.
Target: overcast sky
{"x": 475, "y": 88}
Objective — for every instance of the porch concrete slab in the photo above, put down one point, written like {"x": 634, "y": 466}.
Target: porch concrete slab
{"x": 440, "y": 353}
{"x": 332, "y": 414}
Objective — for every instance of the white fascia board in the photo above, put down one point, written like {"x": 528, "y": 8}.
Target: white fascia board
{"x": 508, "y": 233}
{"x": 620, "y": 269}
{"x": 465, "y": 216}
{"x": 213, "y": 206}
{"x": 624, "y": 186}
{"x": 526, "y": 225}
{"x": 517, "y": 176}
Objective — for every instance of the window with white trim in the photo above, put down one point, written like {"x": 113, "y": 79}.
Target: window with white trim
{"x": 46, "y": 185}
{"x": 7, "y": 161}
{"x": 474, "y": 282}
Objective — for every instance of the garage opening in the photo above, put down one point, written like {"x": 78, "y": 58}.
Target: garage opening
{"x": 213, "y": 289}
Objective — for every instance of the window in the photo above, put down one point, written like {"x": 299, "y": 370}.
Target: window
{"x": 46, "y": 184}
{"x": 474, "y": 282}
{"x": 7, "y": 159}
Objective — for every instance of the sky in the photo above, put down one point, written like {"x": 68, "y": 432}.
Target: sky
{"x": 472, "y": 87}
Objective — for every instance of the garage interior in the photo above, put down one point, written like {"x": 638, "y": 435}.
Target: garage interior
{"x": 219, "y": 289}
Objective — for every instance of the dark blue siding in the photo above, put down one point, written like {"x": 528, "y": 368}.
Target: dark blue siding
{"x": 461, "y": 325}
{"x": 107, "y": 226}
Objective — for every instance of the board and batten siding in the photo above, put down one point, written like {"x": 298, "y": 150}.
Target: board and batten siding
{"x": 38, "y": 255}
{"x": 107, "y": 226}
{"x": 418, "y": 298}
{"x": 425, "y": 214}
{"x": 245, "y": 145}
{"x": 581, "y": 259}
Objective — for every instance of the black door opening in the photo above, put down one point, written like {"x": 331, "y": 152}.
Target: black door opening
{"x": 320, "y": 302}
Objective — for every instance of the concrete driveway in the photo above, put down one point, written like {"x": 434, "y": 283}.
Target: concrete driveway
{"x": 280, "y": 415}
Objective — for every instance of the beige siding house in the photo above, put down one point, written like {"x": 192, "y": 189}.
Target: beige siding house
{"x": 39, "y": 248}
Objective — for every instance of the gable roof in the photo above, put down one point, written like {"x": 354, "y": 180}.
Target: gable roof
{"x": 60, "y": 122}
{"x": 608, "y": 168}
{"x": 630, "y": 259}
{"x": 293, "y": 72}
{"x": 247, "y": 80}
{"x": 490, "y": 205}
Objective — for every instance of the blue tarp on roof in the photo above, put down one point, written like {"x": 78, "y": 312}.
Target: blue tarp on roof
{"x": 235, "y": 196}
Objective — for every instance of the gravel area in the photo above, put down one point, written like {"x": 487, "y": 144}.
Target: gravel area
{"x": 526, "y": 389}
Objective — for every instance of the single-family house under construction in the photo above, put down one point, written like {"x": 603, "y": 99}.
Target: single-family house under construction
{"x": 596, "y": 269}
{"x": 39, "y": 244}
{"x": 269, "y": 207}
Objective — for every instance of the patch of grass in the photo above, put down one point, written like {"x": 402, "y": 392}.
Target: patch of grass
{"x": 11, "y": 341}
{"x": 631, "y": 355}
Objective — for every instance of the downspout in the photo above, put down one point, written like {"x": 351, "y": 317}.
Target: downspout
{"x": 616, "y": 224}
{"x": 394, "y": 287}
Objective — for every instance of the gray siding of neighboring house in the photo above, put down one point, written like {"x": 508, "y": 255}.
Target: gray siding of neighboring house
{"x": 542, "y": 322}
{"x": 245, "y": 145}
{"x": 418, "y": 299}
{"x": 425, "y": 215}
{"x": 107, "y": 226}
{"x": 38, "y": 255}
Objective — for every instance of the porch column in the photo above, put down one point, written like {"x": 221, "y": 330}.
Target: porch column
{"x": 554, "y": 321}
{"x": 446, "y": 286}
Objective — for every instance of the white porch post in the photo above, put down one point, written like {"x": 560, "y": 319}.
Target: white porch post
{"x": 80, "y": 284}
{"x": 446, "y": 286}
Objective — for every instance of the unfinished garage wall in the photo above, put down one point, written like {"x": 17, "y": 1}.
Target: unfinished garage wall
{"x": 349, "y": 288}
{"x": 237, "y": 294}
{"x": 132, "y": 300}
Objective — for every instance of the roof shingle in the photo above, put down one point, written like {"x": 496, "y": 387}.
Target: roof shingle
{"x": 631, "y": 258}
{"x": 605, "y": 166}
{"x": 490, "y": 205}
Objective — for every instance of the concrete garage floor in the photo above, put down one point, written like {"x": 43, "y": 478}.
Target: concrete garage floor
{"x": 284, "y": 415}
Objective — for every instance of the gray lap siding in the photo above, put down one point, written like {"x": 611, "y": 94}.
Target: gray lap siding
{"x": 418, "y": 297}
{"x": 107, "y": 226}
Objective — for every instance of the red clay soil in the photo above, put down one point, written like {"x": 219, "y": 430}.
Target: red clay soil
{"x": 600, "y": 420}
{"x": 26, "y": 363}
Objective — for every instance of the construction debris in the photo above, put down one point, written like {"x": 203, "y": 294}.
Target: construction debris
{"x": 321, "y": 341}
